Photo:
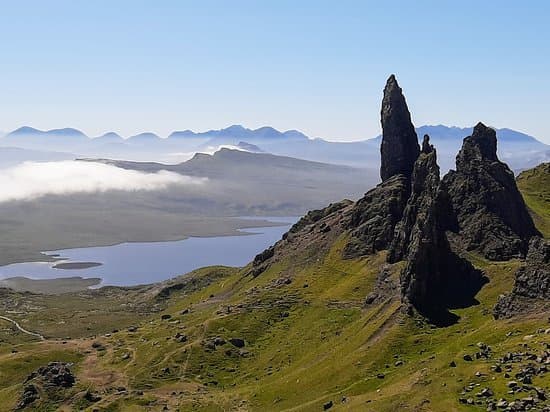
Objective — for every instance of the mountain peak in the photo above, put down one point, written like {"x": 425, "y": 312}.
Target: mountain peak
{"x": 25, "y": 130}
{"x": 235, "y": 128}
{"x": 145, "y": 136}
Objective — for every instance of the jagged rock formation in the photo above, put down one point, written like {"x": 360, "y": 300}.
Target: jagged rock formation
{"x": 425, "y": 177}
{"x": 422, "y": 221}
{"x": 399, "y": 147}
{"x": 532, "y": 284}
{"x": 374, "y": 217}
{"x": 492, "y": 216}
{"x": 434, "y": 278}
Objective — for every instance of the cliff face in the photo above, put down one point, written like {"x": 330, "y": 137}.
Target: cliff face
{"x": 434, "y": 278}
{"x": 491, "y": 214}
{"x": 399, "y": 149}
{"x": 374, "y": 217}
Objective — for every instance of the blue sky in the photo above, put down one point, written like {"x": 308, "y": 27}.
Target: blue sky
{"x": 316, "y": 66}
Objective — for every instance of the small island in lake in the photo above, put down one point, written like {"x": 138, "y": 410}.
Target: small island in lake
{"x": 76, "y": 265}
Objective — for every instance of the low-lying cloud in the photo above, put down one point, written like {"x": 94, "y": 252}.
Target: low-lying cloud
{"x": 31, "y": 180}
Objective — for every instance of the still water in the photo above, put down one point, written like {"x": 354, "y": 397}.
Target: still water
{"x": 138, "y": 263}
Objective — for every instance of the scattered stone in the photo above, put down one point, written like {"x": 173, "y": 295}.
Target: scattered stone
{"x": 486, "y": 392}
{"x": 327, "y": 405}
{"x": 237, "y": 342}
{"x": 92, "y": 397}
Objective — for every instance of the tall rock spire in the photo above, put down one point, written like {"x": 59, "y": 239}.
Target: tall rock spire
{"x": 399, "y": 147}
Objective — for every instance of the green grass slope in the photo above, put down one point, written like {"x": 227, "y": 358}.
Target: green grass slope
{"x": 310, "y": 342}
{"x": 535, "y": 188}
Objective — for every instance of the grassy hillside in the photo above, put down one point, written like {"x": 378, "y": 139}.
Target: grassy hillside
{"x": 310, "y": 342}
{"x": 535, "y": 187}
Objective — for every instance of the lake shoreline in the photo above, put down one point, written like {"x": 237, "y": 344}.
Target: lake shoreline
{"x": 140, "y": 263}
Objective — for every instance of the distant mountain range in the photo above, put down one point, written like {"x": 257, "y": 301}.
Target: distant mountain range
{"x": 234, "y": 131}
{"x": 518, "y": 149}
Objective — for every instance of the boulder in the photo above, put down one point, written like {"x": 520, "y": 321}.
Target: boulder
{"x": 237, "y": 342}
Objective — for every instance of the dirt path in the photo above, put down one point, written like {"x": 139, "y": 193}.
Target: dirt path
{"x": 18, "y": 326}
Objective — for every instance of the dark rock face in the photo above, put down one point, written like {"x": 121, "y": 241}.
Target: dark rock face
{"x": 399, "y": 147}
{"x": 491, "y": 214}
{"x": 434, "y": 278}
{"x": 532, "y": 284}
{"x": 374, "y": 217}
{"x": 426, "y": 197}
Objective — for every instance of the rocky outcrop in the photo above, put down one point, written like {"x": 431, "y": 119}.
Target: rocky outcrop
{"x": 45, "y": 383}
{"x": 54, "y": 374}
{"x": 312, "y": 235}
{"x": 491, "y": 214}
{"x": 434, "y": 278}
{"x": 532, "y": 283}
{"x": 374, "y": 217}
{"x": 399, "y": 147}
